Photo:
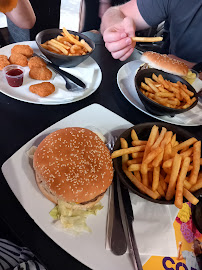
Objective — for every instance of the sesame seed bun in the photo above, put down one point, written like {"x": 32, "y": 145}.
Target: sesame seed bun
{"x": 74, "y": 165}
{"x": 165, "y": 63}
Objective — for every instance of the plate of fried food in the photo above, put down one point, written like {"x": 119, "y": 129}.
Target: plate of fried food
{"x": 160, "y": 163}
{"x": 41, "y": 85}
{"x": 159, "y": 88}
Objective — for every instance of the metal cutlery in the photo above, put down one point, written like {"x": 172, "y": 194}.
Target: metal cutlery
{"x": 72, "y": 82}
{"x": 128, "y": 218}
{"x": 115, "y": 231}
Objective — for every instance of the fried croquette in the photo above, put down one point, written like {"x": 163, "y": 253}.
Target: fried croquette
{"x": 23, "y": 49}
{"x": 4, "y": 61}
{"x": 41, "y": 73}
{"x": 43, "y": 89}
{"x": 18, "y": 59}
{"x": 36, "y": 62}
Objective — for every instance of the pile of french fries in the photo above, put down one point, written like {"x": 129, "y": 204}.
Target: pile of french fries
{"x": 166, "y": 93}
{"x": 67, "y": 44}
{"x": 162, "y": 167}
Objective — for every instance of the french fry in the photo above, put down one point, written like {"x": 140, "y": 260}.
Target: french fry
{"x": 166, "y": 93}
{"x": 147, "y": 39}
{"x": 134, "y": 136}
{"x": 159, "y": 139}
{"x": 190, "y": 197}
{"x": 197, "y": 186}
{"x": 139, "y": 185}
{"x": 67, "y": 44}
{"x": 59, "y": 47}
{"x": 138, "y": 176}
{"x": 134, "y": 161}
{"x": 180, "y": 183}
{"x": 156, "y": 177}
{"x": 138, "y": 142}
{"x": 183, "y": 145}
{"x": 167, "y": 151}
{"x": 145, "y": 179}
{"x": 146, "y": 87}
{"x": 60, "y": 44}
{"x": 129, "y": 150}
{"x": 161, "y": 166}
{"x": 160, "y": 190}
{"x": 187, "y": 185}
{"x": 124, "y": 145}
{"x": 196, "y": 162}
{"x": 134, "y": 167}
{"x": 173, "y": 177}
{"x": 151, "y": 156}
{"x": 137, "y": 155}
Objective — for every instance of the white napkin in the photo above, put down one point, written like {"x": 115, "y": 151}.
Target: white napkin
{"x": 153, "y": 228}
{"x": 194, "y": 115}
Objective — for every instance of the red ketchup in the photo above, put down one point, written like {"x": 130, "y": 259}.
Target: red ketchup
{"x": 14, "y": 77}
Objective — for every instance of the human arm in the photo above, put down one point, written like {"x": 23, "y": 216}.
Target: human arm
{"x": 22, "y": 15}
{"x": 119, "y": 25}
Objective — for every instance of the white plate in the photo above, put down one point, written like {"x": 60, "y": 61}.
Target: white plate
{"x": 20, "y": 176}
{"x": 125, "y": 81}
{"x": 88, "y": 71}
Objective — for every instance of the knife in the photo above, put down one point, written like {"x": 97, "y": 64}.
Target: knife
{"x": 115, "y": 231}
{"x": 63, "y": 73}
{"x": 128, "y": 219}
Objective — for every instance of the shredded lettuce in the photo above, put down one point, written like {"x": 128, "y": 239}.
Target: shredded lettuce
{"x": 74, "y": 219}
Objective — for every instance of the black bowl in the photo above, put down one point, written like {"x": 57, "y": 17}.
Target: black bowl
{"x": 143, "y": 131}
{"x": 57, "y": 59}
{"x": 150, "y": 105}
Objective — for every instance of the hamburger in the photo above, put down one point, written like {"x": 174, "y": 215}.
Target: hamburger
{"x": 163, "y": 62}
{"x": 73, "y": 169}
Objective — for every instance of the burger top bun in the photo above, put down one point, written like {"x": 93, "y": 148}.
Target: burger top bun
{"x": 74, "y": 165}
{"x": 165, "y": 63}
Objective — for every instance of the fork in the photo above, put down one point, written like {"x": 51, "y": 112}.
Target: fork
{"x": 72, "y": 83}
{"x": 115, "y": 231}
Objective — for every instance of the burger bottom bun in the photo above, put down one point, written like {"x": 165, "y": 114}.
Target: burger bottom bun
{"x": 53, "y": 198}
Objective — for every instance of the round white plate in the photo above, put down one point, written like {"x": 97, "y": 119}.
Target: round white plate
{"x": 88, "y": 71}
{"x": 125, "y": 81}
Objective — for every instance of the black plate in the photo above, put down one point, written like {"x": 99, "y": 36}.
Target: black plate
{"x": 62, "y": 60}
{"x": 150, "y": 105}
{"x": 143, "y": 131}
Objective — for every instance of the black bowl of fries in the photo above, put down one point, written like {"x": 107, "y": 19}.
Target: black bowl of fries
{"x": 64, "y": 48}
{"x": 164, "y": 93}
{"x": 159, "y": 162}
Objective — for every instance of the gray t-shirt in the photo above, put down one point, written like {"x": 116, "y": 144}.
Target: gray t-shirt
{"x": 185, "y": 20}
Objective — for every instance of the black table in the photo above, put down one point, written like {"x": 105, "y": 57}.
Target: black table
{"x": 22, "y": 121}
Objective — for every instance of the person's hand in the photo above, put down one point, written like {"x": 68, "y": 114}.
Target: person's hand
{"x": 117, "y": 39}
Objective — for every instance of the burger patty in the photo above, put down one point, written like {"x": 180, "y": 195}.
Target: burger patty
{"x": 93, "y": 200}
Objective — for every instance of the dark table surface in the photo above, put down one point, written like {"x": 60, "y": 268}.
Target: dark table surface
{"x": 21, "y": 121}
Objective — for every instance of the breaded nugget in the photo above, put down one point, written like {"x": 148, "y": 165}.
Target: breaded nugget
{"x": 36, "y": 62}
{"x": 4, "y": 61}
{"x": 18, "y": 59}
{"x": 23, "y": 49}
{"x": 41, "y": 73}
{"x": 43, "y": 89}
